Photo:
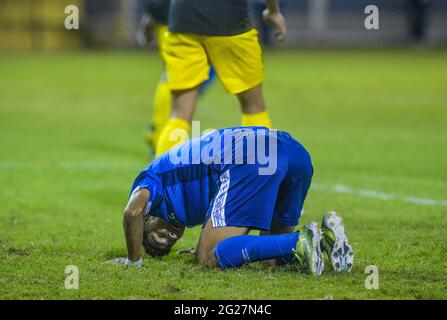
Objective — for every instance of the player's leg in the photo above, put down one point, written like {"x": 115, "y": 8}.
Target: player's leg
{"x": 187, "y": 67}
{"x": 178, "y": 126}
{"x": 236, "y": 207}
{"x": 161, "y": 112}
{"x": 239, "y": 205}
{"x": 275, "y": 229}
{"x": 162, "y": 98}
{"x": 292, "y": 193}
{"x": 253, "y": 108}
{"x": 210, "y": 237}
{"x": 183, "y": 107}
{"x": 231, "y": 247}
{"x": 239, "y": 66}
{"x": 285, "y": 249}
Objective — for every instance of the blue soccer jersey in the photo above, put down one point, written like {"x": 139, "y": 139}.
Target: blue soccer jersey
{"x": 241, "y": 177}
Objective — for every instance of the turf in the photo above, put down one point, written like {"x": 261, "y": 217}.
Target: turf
{"x": 71, "y": 128}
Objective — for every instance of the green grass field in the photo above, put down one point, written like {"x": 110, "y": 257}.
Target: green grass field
{"x": 71, "y": 141}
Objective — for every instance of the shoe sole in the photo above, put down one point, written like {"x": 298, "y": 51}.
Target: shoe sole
{"x": 314, "y": 261}
{"x": 340, "y": 252}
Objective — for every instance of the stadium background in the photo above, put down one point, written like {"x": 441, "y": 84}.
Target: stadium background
{"x": 36, "y": 24}
{"x": 370, "y": 105}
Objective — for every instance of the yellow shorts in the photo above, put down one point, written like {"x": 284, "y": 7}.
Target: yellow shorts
{"x": 236, "y": 59}
{"x": 161, "y": 31}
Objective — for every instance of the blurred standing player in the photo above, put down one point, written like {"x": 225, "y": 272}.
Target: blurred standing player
{"x": 155, "y": 21}
{"x": 418, "y": 16}
{"x": 217, "y": 32}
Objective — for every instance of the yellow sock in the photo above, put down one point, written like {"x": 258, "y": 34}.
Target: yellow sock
{"x": 260, "y": 119}
{"x": 162, "y": 110}
{"x": 176, "y": 131}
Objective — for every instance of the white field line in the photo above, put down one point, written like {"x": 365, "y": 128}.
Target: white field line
{"x": 83, "y": 165}
{"x": 379, "y": 195}
{"x": 338, "y": 188}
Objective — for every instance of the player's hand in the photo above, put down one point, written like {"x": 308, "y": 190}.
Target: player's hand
{"x": 126, "y": 262}
{"x": 145, "y": 31}
{"x": 277, "y": 20}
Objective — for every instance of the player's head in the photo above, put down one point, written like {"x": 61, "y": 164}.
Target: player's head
{"x": 160, "y": 236}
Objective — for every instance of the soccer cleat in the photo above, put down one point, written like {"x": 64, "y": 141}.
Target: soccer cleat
{"x": 335, "y": 242}
{"x": 308, "y": 250}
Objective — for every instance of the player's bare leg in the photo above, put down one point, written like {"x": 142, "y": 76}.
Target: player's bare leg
{"x": 210, "y": 237}
{"x": 184, "y": 103}
{"x": 253, "y": 108}
{"x": 252, "y": 100}
{"x": 231, "y": 247}
{"x": 183, "y": 107}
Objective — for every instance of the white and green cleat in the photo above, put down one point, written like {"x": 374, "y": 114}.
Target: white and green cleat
{"x": 335, "y": 242}
{"x": 308, "y": 250}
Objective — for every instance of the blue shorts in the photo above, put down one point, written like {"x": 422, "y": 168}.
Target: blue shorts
{"x": 247, "y": 199}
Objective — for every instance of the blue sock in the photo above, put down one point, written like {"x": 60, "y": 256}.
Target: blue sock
{"x": 235, "y": 251}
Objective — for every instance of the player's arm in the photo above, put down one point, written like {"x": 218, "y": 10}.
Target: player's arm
{"x": 146, "y": 28}
{"x": 133, "y": 223}
{"x": 273, "y": 16}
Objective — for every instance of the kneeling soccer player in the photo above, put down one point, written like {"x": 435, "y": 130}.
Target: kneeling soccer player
{"x": 231, "y": 181}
